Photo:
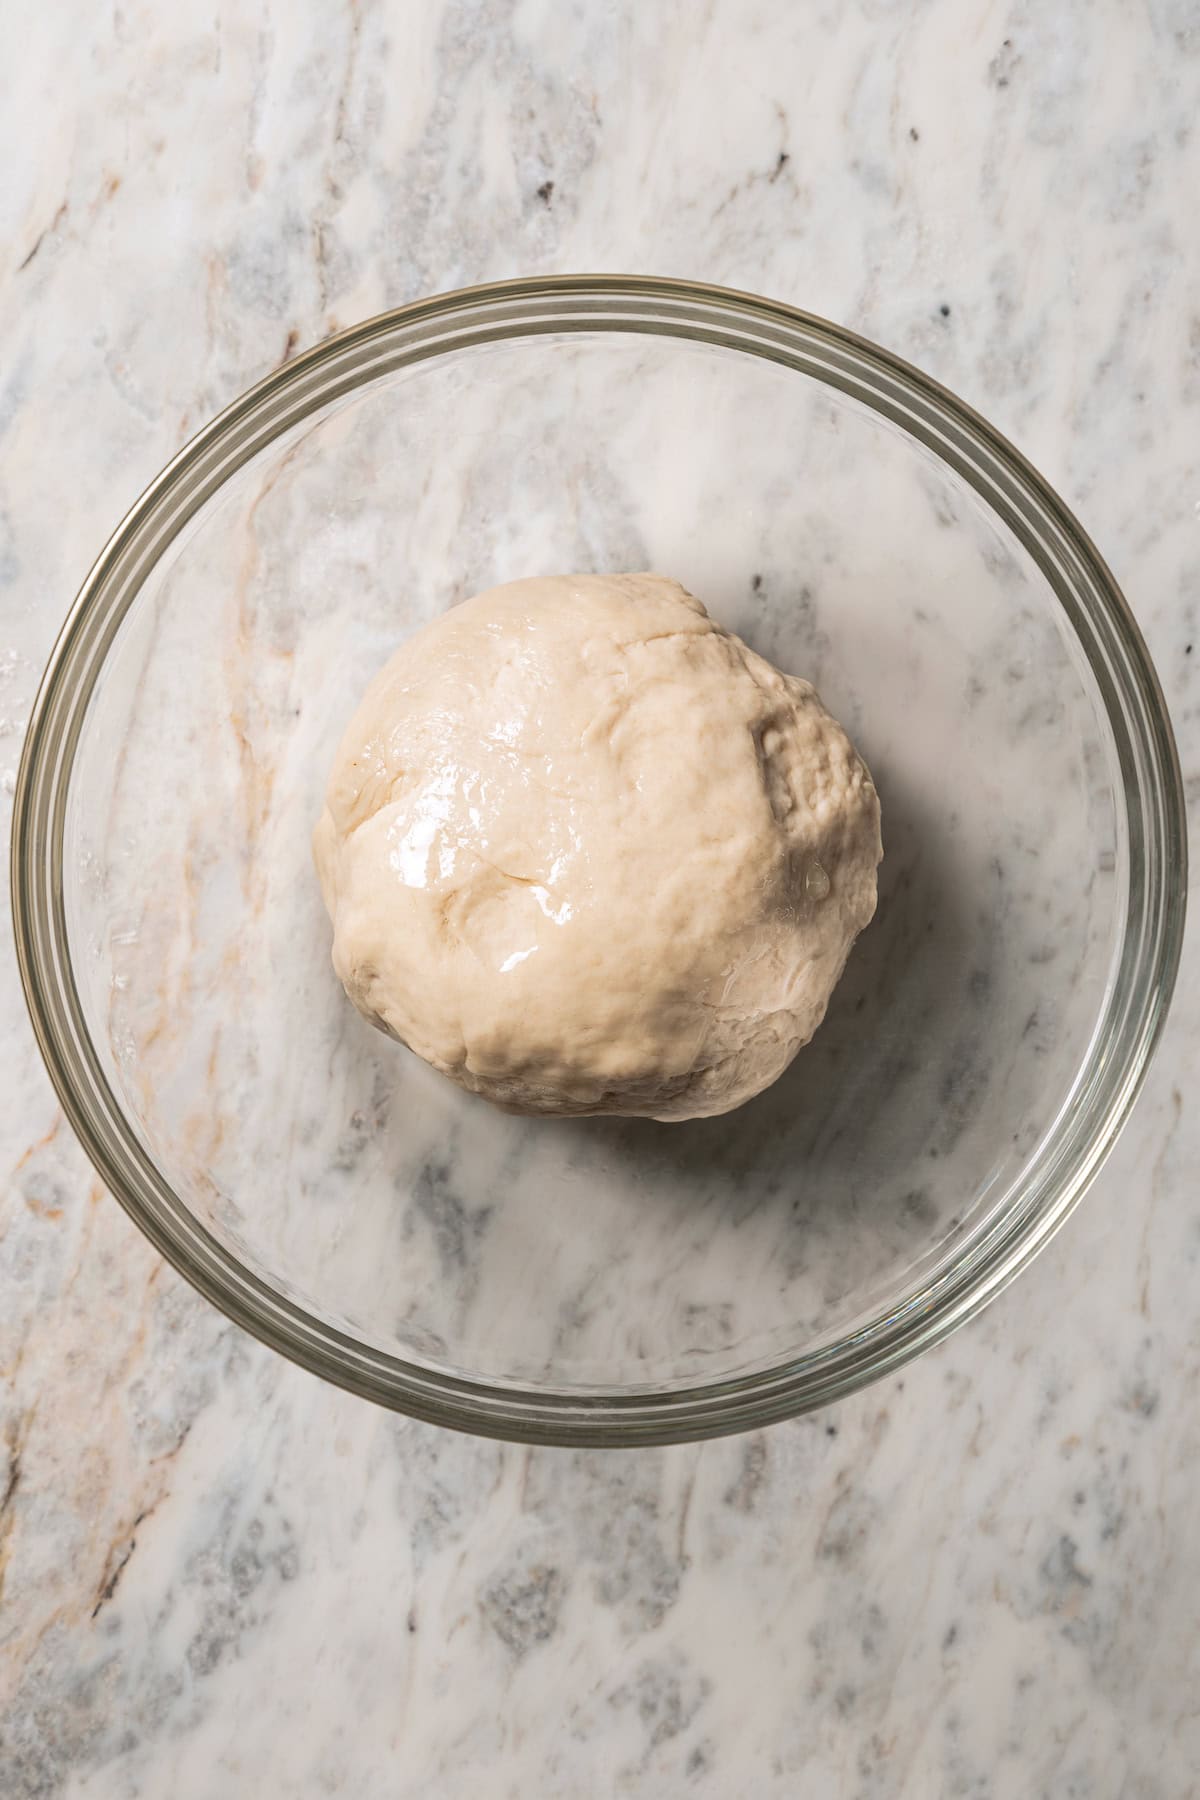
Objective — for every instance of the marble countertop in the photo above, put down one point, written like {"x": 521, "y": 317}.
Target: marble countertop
{"x": 977, "y": 1578}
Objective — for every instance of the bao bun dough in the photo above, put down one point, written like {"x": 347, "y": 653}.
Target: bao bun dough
{"x": 585, "y": 852}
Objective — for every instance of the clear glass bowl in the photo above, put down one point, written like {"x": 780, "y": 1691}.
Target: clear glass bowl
{"x": 600, "y": 1281}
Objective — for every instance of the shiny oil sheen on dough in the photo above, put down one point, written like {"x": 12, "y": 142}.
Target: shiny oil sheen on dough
{"x": 585, "y": 852}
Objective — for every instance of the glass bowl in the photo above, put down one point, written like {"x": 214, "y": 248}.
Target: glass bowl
{"x": 600, "y": 1281}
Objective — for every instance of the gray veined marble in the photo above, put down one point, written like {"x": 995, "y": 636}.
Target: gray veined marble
{"x": 978, "y": 1578}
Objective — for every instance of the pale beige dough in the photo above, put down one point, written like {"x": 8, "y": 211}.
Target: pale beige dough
{"x": 585, "y": 852}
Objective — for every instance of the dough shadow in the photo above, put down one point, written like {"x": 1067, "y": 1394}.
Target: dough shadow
{"x": 888, "y": 1083}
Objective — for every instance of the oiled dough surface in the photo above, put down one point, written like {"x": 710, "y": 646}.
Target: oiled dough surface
{"x": 584, "y": 851}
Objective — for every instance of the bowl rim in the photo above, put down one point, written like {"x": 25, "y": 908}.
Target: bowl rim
{"x": 1132, "y": 1015}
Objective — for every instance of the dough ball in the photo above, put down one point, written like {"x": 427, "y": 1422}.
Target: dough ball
{"x": 585, "y": 852}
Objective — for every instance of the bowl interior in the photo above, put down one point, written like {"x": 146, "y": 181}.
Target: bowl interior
{"x": 597, "y": 1255}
